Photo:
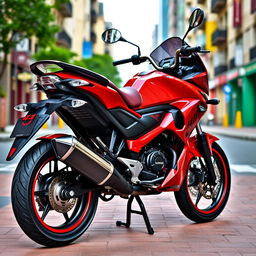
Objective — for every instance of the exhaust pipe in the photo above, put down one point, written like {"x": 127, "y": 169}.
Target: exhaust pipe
{"x": 102, "y": 172}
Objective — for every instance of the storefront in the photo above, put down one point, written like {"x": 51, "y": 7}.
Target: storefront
{"x": 237, "y": 91}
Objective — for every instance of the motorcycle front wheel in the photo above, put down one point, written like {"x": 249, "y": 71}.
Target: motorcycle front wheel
{"x": 198, "y": 200}
{"x": 37, "y": 206}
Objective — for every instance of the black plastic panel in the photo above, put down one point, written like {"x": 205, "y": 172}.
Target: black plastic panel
{"x": 135, "y": 127}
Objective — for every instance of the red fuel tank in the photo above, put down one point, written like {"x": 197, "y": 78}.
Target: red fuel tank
{"x": 158, "y": 88}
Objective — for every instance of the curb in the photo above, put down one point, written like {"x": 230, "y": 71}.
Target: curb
{"x": 251, "y": 137}
{"x": 231, "y": 134}
{"x": 5, "y": 137}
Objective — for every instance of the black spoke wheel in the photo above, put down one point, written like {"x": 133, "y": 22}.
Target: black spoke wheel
{"x": 41, "y": 213}
{"x": 197, "y": 199}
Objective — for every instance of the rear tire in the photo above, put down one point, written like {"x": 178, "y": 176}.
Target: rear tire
{"x": 28, "y": 204}
{"x": 210, "y": 208}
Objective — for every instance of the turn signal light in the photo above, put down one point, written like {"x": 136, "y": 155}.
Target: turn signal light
{"x": 21, "y": 107}
{"x": 77, "y": 103}
{"x": 78, "y": 82}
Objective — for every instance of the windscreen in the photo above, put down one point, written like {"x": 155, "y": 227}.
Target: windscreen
{"x": 166, "y": 49}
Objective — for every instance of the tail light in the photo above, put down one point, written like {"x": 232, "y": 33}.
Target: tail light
{"x": 48, "y": 82}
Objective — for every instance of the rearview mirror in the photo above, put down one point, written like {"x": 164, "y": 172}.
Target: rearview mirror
{"x": 196, "y": 18}
{"x": 111, "y": 36}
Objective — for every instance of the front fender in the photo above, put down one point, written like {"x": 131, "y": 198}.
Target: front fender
{"x": 174, "y": 179}
{"x": 193, "y": 144}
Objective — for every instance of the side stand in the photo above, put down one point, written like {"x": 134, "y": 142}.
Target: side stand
{"x": 142, "y": 212}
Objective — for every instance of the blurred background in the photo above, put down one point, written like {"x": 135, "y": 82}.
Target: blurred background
{"x": 70, "y": 31}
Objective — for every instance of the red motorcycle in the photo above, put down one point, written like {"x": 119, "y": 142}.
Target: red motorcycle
{"x": 137, "y": 140}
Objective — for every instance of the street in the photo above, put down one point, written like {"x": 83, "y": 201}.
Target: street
{"x": 232, "y": 233}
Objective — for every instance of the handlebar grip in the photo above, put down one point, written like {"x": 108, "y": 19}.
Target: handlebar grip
{"x": 193, "y": 49}
{"x": 189, "y": 50}
{"x": 204, "y": 51}
{"x": 119, "y": 62}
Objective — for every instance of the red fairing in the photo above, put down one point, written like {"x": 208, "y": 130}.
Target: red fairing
{"x": 201, "y": 81}
{"x": 174, "y": 179}
{"x": 158, "y": 88}
{"x": 188, "y": 108}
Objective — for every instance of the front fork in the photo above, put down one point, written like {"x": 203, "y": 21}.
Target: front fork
{"x": 206, "y": 153}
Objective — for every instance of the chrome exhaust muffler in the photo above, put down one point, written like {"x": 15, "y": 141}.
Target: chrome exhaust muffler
{"x": 102, "y": 172}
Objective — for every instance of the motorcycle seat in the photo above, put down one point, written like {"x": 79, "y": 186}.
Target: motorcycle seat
{"x": 131, "y": 96}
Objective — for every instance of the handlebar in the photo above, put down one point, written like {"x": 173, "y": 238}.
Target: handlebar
{"x": 184, "y": 50}
{"x": 124, "y": 61}
{"x": 135, "y": 59}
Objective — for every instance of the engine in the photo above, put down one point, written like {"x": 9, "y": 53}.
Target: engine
{"x": 155, "y": 163}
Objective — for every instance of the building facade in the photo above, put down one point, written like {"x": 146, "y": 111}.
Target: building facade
{"x": 81, "y": 22}
{"x": 229, "y": 32}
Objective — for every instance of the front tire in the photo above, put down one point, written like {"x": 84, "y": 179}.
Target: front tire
{"x": 45, "y": 218}
{"x": 194, "y": 197}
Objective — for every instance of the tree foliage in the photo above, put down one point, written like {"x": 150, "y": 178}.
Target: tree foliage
{"x": 98, "y": 63}
{"x": 21, "y": 19}
{"x": 102, "y": 64}
{"x": 55, "y": 53}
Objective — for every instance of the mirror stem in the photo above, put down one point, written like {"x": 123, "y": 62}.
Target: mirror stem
{"x": 185, "y": 35}
{"x": 124, "y": 40}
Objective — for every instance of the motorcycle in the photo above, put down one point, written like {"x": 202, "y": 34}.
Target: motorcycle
{"x": 142, "y": 139}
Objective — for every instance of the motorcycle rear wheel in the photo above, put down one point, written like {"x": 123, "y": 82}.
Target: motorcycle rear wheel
{"x": 196, "y": 201}
{"x": 44, "y": 217}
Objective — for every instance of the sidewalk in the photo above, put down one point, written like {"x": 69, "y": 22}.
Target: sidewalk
{"x": 246, "y": 133}
{"x": 232, "y": 233}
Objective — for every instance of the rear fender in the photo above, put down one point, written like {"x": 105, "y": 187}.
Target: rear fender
{"x": 28, "y": 126}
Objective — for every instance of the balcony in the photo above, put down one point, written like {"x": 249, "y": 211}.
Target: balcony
{"x": 232, "y": 63}
{"x": 217, "y": 5}
{"x": 219, "y": 37}
{"x": 93, "y": 37}
{"x": 220, "y": 69}
{"x": 94, "y": 16}
{"x": 253, "y": 53}
{"x": 66, "y": 9}
{"x": 64, "y": 39}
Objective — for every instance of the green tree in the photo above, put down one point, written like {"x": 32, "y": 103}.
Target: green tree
{"x": 55, "y": 53}
{"x": 98, "y": 63}
{"x": 23, "y": 19}
{"x": 101, "y": 64}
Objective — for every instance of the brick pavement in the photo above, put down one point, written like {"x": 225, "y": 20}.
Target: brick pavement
{"x": 233, "y": 233}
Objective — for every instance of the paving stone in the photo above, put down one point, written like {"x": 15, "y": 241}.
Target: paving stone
{"x": 232, "y": 233}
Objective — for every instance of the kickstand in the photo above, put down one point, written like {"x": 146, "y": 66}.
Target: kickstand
{"x": 142, "y": 212}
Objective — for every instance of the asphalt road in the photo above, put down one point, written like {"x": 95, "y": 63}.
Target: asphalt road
{"x": 238, "y": 151}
